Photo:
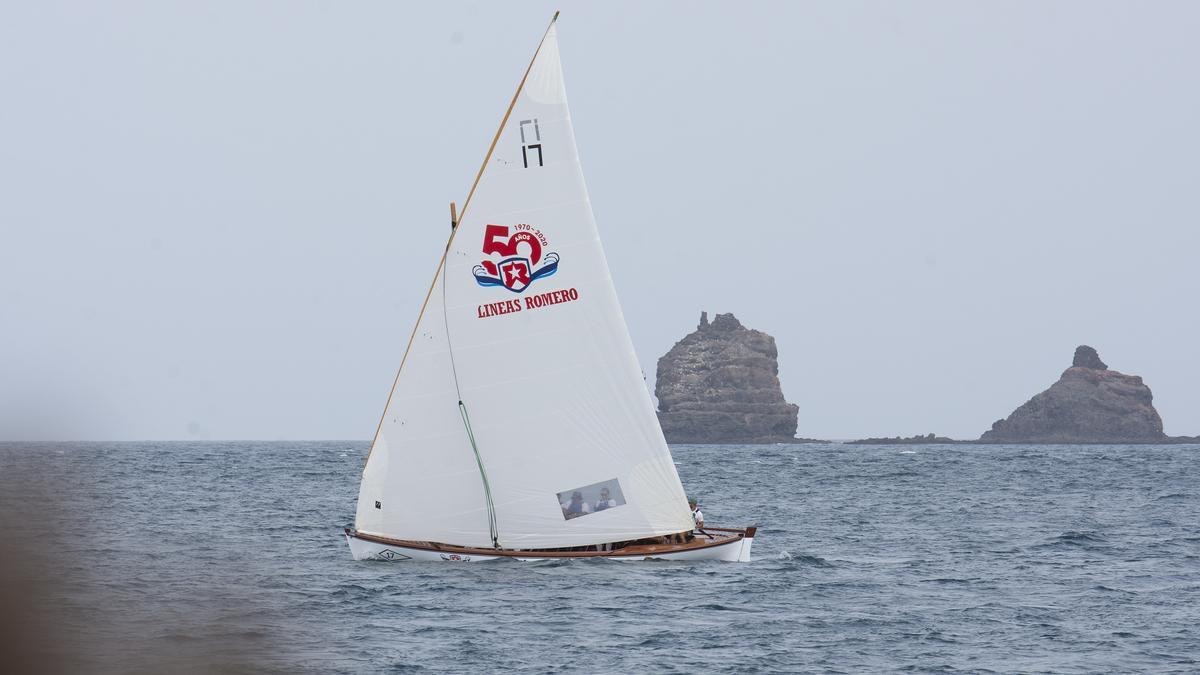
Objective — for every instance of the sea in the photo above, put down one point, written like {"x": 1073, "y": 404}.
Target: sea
{"x": 229, "y": 557}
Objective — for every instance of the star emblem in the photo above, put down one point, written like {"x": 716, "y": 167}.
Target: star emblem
{"x": 516, "y": 274}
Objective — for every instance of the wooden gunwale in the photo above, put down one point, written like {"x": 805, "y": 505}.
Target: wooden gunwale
{"x": 749, "y": 531}
{"x": 634, "y": 550}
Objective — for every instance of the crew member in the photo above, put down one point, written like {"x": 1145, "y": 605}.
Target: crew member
{"x": 605, "y": 501}
{"x": 577, "y": 507}
{"x": 696, "y": 514}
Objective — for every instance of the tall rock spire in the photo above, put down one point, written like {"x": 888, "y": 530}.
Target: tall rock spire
{"x": 720, "y": 384}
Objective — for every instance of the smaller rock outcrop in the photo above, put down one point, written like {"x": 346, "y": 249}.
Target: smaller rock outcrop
{"x": 928, "y": 439}
{"x": 720, "y": 384}
{"x": 1088, "y": 404}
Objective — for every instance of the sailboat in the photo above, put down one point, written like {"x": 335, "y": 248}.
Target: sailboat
{"x": 519, "y": 424}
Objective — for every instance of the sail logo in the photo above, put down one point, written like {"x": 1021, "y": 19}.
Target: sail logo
{"x": 521, "y": 261}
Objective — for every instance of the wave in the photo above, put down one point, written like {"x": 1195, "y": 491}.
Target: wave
{"x": 1082, "y": 537}
{"x": 1076, "y": 539}
{"x": 1174, "y": 496}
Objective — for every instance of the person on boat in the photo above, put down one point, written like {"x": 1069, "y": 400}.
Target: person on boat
{"x": 605, "y": 501}
{"x": 685, "y": 537}
{"x": 697, "y": 515}
{"x": 576, "y": 507}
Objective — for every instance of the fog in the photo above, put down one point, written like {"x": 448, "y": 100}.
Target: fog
{"x": 218, "y": 220}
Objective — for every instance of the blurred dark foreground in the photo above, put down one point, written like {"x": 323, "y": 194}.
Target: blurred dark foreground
{"x": 55, "y": 616}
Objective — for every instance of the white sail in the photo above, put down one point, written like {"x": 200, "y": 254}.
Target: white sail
{"x": 524, "y": 327}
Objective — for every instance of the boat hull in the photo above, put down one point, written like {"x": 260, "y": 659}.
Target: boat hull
{"x": 725, "y": 545}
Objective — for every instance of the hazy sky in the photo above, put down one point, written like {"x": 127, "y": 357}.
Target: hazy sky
{"x": 218, "y": 219}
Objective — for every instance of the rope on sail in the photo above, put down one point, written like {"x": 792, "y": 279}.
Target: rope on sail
{"x": 462, "y": 411}
{"x": 487, "y": 488}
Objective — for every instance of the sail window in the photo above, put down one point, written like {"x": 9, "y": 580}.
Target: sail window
{"x": 590, "y": 499}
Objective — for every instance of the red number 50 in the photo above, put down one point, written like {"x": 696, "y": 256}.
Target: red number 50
{"x": 496, "y": 240}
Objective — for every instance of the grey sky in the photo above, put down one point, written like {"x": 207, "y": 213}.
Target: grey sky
{"x": 218, "y": 220}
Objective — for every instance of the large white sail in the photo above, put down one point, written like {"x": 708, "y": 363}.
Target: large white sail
{"x": 524, "y": 328}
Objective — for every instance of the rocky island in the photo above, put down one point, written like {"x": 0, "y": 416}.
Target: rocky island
{"x": 928, "y": 439}
{"x": 720, "y": 384}
{"x": 1088, "y": 404}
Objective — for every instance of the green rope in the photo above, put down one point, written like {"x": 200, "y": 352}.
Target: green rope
{"x": 462, "y": 411}
{"x": 487, "y": 488}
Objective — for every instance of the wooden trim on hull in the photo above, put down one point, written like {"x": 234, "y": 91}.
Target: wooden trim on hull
{"x": 749, "y": 531}
{"x": 728, "y": 536}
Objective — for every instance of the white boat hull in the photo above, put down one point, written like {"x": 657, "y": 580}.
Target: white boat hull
{"x": 735, "y": 550}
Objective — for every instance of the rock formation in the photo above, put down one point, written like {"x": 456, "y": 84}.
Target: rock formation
{"x": 1087, "y": 357}
{"x": 720, "y": 384}
{"x": 930, "y": 439}
{"x": 1088, "y": 404}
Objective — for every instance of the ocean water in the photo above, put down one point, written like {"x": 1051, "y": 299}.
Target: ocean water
{"x": 229, "y": 556}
